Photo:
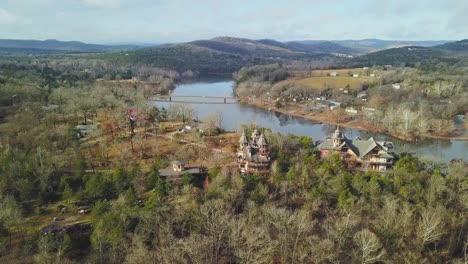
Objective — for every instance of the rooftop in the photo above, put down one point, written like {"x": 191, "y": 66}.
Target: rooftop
{"x": 169, "y": 172}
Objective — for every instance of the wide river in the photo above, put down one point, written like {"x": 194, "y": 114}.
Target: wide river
{"x": 234, "y": 115}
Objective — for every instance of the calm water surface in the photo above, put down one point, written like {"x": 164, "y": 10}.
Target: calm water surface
{"x": 234, "y": 115}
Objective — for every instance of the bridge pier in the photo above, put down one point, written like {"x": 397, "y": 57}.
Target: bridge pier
{"x": 224, "y": 99}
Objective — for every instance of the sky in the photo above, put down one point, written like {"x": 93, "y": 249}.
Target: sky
{"x": 163, "y": 21}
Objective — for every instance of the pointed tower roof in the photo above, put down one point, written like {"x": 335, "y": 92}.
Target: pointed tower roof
{"x": 262, "y": 141}
{"x": 255, "y": 133}
{"x": 243, "y": 138}
{"x": 337, "y": 134}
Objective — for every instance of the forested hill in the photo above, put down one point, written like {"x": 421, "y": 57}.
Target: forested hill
{"x": 224, "y": 55}
{"x": 410, "y": 56}
{"x": 364, "y": 46}
{"x": 52, "y": 46}
{"x": 322, "y": 46}
{"x": 184, "y": 57}
{"x": 215, "y": 56}
{"x": 457, "y": 46}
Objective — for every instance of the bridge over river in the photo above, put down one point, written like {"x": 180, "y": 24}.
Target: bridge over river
{"x": 195, "y": 99}
{"x": 234, "y": 115}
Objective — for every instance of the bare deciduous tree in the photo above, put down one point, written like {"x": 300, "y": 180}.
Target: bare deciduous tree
{"x": 369, "y": 246}
{"x": 431, "y": 226}
{"x": 250, "y": 242}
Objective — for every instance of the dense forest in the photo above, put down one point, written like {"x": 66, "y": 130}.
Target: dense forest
{"x": 225, "y": 55}
{"x": 409, "y": 56}
{"x": 52, "y": 46}
{"x": 218, "y": 59}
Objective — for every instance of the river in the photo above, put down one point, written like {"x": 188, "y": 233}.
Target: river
{"x": 236, "y": 114}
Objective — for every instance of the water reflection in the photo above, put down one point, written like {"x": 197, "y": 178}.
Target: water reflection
{"x": 235, "y": 114}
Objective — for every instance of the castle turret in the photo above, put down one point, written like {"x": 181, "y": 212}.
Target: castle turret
{"x": 255, "y": 136}
{"x": 262, "y": 145}
{"x": 243, "y": 142}
{"x": 337, "y": 138}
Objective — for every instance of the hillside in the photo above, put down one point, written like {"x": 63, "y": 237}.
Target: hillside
{"x": 224, "y": 55}
{"x": 321, "y": 46}
{"x": 457, "y": 46}
{"x": 216, "y": 56}
{"x": 266, "y": 48}
{"x": 408, "y": 56}
{"x": 5, "y": 51}
{"x": 184, "y": 57}
{"x": 371, "y": 45}
{"x": 269, "y": 47}
{"x": 52, "y": 46}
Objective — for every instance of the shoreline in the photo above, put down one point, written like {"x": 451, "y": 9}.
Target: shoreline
{"x": 354, "y": 124}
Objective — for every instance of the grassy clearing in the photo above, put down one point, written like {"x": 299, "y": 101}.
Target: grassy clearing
{"x": 333, "y": 82}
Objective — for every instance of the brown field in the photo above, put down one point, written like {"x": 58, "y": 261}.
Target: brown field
{"x": 320, "y": 79}
{"x": 343, "y": 72}
{"x": 333, "y": 82}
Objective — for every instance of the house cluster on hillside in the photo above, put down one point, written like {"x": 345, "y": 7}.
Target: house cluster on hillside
{"x": 253, "y": 155}
{"x": 365, "y": 154}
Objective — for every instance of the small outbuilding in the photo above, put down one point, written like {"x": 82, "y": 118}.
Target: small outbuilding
{"x": 178, "y": 169}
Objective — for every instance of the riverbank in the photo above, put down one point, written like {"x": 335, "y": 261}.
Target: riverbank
{"x": 326, "y": 118}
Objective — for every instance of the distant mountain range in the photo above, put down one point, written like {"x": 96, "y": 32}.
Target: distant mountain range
{"x": 227, "y": 54}
{"x": 224, "y": 44}
{"x": 15, "y": 46}
{"x": 451, "y": 52}
{"x": 364, "y": 46}
{"x": 349, "y": 47}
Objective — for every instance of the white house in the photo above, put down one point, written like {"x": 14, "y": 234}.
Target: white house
{"x": 334, "y": 74}
{"x": 372, "y": 75}
{"x": 351, "y": 110}
{"x": 396, "y": 86}
{"x": 368, "y": 109}
{"x": 362, "y": 96}
{"x": 355, "y": 75}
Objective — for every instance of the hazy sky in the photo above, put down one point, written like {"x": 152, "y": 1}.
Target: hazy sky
{"x": 104, "y": 21}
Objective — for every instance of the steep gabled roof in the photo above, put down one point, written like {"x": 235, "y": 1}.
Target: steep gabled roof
{"x": 359, "y": 147}
{"x": 385, "y": 154}
{"x": 243, "y": 138}
{"x": 262, "y": 141}
{"x": 362, "y": 147}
